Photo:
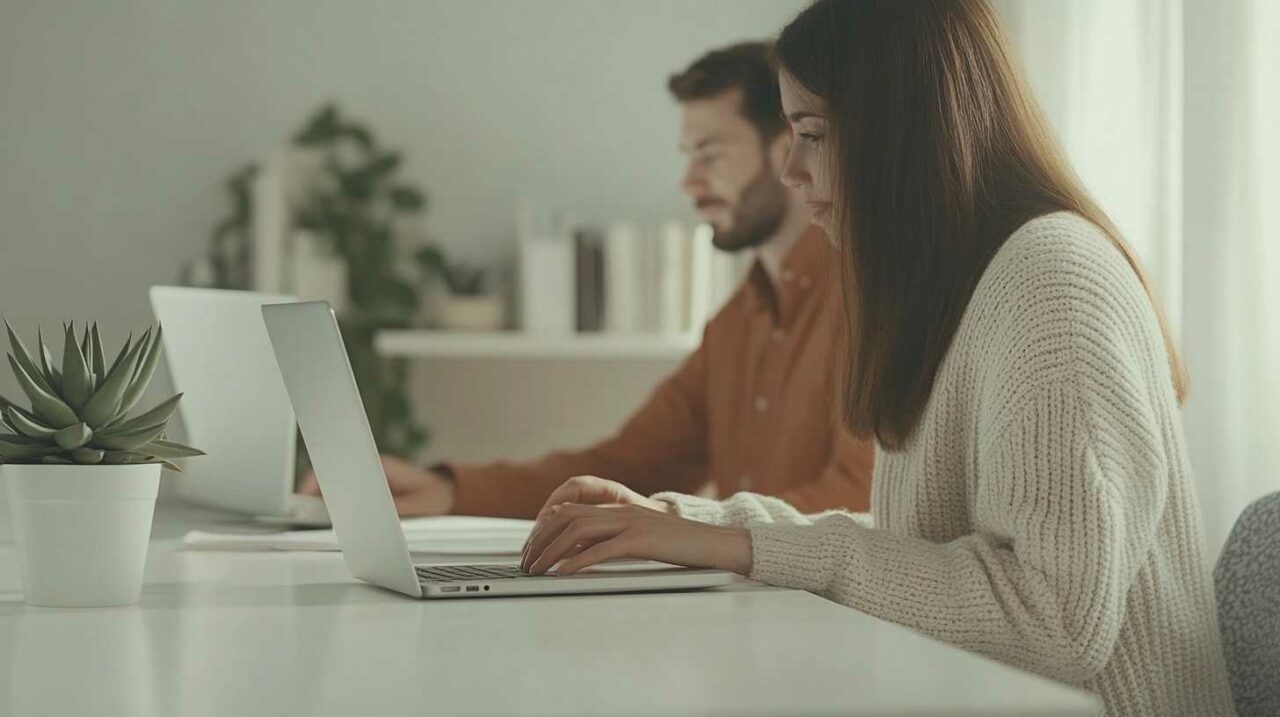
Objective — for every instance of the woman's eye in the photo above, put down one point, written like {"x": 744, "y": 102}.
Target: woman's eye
{"x": 810, "y": 137}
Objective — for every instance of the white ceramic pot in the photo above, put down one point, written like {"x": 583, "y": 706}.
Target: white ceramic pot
{"x": 471, "y": 313}
{"x": 81, "y": 531}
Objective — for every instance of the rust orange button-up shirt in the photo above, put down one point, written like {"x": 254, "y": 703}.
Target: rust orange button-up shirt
{"x": 751, "y": 409}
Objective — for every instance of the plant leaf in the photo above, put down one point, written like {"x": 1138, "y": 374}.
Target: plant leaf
{"x": 87, "y": 456}
{"x": 168, "y": 449}
{"x": 84, "y": 343}
{"x": 77, "y": 384}
{"x": 51, "y": 376}
{"x": 105, "y": 404}
{"x": 27, "y": 426}
{"x": 73, "y": 437}
{"x": 156, "y": 416}
{"x": 170, "y": 465}
{"x": 129, "y": 441}
{"x": 57, "y": 460}
{"x": 142, "y": 375}
{"x": 97, "y": 362}
{"x": 24, "y": 359}
{"x": 406, "y": 198}
{"x": 115, "y": 458}
{"x": 48, "y": 407}
{"x": 124, "y": 351}
{"x": 15, "y": 448}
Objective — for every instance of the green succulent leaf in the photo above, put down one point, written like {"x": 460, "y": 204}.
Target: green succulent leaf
{"x": 170, "y": 465}
{"x": 51, "y": 409}
{"x": 145, "y": 370}
{"x": 168, "y": 449}
{"x": 87, "y": 456}
{"x": 73, "y": 437}
{"x": 46, "y": 363}
{"x": 24, "y": 360}
{"x": 57, "y": 460}
{"x": 116, "y": 458}
{"x": 124, "y": 351}
{"x": 97, "y": 360}
{"x": 129, "y": 441}
{"x": 20, "y": 448}
{"x": 106, "y": 401}
{"x": 84, "y": 343}
{"x": 156, "y": 416}
{"x": 27, "y": 426}
{"x": 77, "y": 384}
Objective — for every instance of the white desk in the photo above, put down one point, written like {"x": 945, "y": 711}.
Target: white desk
{"x": 282, "y": 633}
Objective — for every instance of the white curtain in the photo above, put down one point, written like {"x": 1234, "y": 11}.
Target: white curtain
{"x": 1170, "y": 111}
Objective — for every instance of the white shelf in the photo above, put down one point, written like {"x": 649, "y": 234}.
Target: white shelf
{"x": 520, "y": 346}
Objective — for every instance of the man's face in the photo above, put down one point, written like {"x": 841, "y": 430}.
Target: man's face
{"x": 729, "y": 175}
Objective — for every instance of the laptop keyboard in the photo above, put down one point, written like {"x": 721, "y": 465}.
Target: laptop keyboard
{"x": 451, "y": 573}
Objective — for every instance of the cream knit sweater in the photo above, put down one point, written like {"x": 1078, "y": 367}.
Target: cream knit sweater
{"x": 1042, "y": 512}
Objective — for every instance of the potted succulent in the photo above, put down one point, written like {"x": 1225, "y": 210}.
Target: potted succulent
{"x": 467, "y": 304}
{"x": 80, "y": 474}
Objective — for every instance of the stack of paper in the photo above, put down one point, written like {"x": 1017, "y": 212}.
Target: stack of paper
{"x": 444, "y": 535}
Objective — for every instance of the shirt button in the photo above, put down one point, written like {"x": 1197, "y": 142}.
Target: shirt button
{"x": 805, "y": 282}
{"x": 744, "y": 482}
{"x": 788, "y": 275}
{"x": 779, "y": 335}
{"x": 762, "y": 403}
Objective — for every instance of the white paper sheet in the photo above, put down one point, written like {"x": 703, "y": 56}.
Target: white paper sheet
{"x": 444, "y": 535}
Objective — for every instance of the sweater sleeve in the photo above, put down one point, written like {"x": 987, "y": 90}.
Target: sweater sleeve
{"x": 744, "y": 509}
{"x": 1070, "y": 485}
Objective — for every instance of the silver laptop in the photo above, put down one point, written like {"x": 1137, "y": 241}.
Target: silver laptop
{"x": 234, "y": 406}
{"x": 319, "y": 381}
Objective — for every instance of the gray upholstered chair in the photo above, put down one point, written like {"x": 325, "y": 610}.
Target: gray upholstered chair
{"x": 1247, "y": 581}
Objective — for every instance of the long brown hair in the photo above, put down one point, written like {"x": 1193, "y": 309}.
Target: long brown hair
{"x": 941, "y": 152}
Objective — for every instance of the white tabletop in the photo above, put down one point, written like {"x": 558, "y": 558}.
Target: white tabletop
{"x": 289, "y": 633}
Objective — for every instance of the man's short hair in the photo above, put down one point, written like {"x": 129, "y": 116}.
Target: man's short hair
{"x": 746, "y": 66}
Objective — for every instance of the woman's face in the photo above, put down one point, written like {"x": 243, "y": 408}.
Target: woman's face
{"x": 807, "y": 168}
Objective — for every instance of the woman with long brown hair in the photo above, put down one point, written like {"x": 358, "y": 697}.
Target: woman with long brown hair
{"x": 1032, "y": 497}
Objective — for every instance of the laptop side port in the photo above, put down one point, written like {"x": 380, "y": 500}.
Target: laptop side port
{"x": 450, "y": 588}
{"x": 473, "y": 588}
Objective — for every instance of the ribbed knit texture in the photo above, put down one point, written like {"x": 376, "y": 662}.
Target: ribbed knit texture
{"x": 1041, "y": 513}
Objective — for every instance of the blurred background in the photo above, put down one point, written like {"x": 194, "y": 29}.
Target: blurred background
{"x": 491, "y": 147}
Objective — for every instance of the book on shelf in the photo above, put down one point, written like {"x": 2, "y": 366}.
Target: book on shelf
{"x": 663, "y": 279}
{"x": 547, "y": 269}
{"x": 588, "y": 250}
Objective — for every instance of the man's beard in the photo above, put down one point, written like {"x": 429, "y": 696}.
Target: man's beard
{"x": 760, "y": 211}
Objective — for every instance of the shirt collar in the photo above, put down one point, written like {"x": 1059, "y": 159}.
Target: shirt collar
{"x": 804, "y": 275}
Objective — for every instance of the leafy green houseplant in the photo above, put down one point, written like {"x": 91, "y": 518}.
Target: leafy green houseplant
{"x": 356, "y": 209}
{"x": 81, "y": 475}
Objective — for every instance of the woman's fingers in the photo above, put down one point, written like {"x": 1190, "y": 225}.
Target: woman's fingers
{"x": 548, "y": 528}
{"x": 604, "y": 551}
{"x": 582, "y": 530}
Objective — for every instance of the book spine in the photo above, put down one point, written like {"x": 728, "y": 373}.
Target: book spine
{"x": 622, "y": 273}
{"x": 546, "y": 272}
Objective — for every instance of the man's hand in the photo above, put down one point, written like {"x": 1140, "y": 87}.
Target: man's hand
{"x": 416, "y": 491}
